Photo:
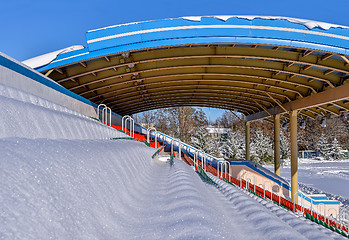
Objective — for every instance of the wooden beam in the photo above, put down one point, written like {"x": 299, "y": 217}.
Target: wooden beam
{"x": 276, "y": 101}
{"x": 264, "y": 108}
{"x": 306, "y": 53}
{"x": 306, "y": 67}
{"x": 59, "y": 70}
{"x": 345, "y": 59}
{"x": 237, "y": 116}
{"x": 49, "y": 72}
{"x": 327, "y": 56}
{"x": 328, "y": 72}
{"x": 318, "y": 99}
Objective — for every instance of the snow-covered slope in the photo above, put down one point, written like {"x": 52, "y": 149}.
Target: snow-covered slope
{"x": 326, "y": 177}
{"x": 28, "y": 116}
{"x": 63, "y": 178}
{"x": 113, "y": 189}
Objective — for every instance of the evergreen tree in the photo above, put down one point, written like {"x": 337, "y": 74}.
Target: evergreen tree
{"x": 335, "y": 150}
{"x": 285, "y": 147}
{"x": 323, "y": 146}
{"x": 233, "y": 146}
{"x": 261, "y": 148}
{"x": 200, "y": 139}
{"x": 212, "y": 146}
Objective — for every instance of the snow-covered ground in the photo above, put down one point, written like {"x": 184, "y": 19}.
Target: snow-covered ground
{"x": 63, "y": 178}
{"x": 328, "y": 177}
{"x": 28, "y": 116}
{"x": 113, "y": 189}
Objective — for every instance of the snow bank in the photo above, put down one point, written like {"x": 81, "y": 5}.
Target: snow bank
{"x": 27, "y": 116}
{"x": 112, "y": 189}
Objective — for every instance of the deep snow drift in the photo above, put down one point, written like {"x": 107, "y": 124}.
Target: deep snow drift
{"x": 63, "y": 178}
{"x": 29, "y": 116}
{"x": 113, "y": 189}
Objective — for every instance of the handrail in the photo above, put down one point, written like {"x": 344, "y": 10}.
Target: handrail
{"x": 101, "y": 116}
{"x": 220, "y": 164}
{"x": 123, "y": 126}
{"x": 155, "y": 135}
{"x": 179, "y": 147}
{"x": 229, "y": 173}
{"x": 196, "y": 155}
{"x": 132, "y": 126}
{"x": 185, "y": 144}
{"x": 108, "y": 108}
{"x": 248, "y": 180}
{"x": 196, "y": 160}
{"x": 104, "y": 116}
{"x": 204, "y": 162}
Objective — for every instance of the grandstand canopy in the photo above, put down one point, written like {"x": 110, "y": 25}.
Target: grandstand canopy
{"x": 255, "y": 65}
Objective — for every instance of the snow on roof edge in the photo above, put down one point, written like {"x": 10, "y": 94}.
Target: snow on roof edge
{"x": 310, "y": 24}
{"x": 307, "y": 23}
{"x": 47, "y": 58}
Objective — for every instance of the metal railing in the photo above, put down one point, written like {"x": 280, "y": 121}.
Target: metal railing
{"x": 179, "y": 147}
{"x": 124, "y": 125}
{"x": 102, "y": 111}
{"x": 205, "y": 156}
{"x": 155, "y": 136}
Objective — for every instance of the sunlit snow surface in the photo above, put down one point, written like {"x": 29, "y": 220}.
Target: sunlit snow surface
{"x": 113, "y": 189}
{"x": 63, "y": 178}
{"x": 28, "y": 116}
{"x": 329, "y": 177}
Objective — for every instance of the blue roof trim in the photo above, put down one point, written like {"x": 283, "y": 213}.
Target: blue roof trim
{"x": 170, "y": 42}
{"x": 282, "y": 33}
{"x": 71, "y": 53}
{"x": 38, "y": 77}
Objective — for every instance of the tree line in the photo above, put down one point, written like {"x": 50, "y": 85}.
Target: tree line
{"x": 190, "y": 125}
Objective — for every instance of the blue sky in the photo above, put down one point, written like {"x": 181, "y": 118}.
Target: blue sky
{"x": 32, "y": 28}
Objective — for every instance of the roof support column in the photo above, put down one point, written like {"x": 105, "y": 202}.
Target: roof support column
{"x": 277, "y": 144}
{"x": 247, "y": 140}
{"x": 294, "y": 157}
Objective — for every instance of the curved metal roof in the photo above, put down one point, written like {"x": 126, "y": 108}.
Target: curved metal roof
{"x": 243, "y": 63}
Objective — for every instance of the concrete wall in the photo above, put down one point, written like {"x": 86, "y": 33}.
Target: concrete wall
{"x": 17, "y": 75}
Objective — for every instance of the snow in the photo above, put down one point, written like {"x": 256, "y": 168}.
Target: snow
{"x": 310, "y": 24}
{"x": 329, "y": 177}
{"x": 113, "y": 189}
{"x": 47, "y": 58}
{"x": 27, "y": 116}
{"x": 62, "y": 177}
